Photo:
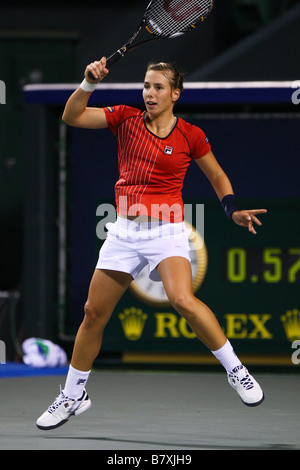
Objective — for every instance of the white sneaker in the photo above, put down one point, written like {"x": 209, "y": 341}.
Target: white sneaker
{"x": 246, "y": 386}
{"x": 61, "y": 409}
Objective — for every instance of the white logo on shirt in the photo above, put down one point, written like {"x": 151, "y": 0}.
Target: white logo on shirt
{"x": 168, "y": 150}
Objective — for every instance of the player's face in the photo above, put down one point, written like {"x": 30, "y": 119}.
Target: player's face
{"x": 157, "y": 93}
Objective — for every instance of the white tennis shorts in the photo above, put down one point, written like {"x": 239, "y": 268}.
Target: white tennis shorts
{"x": 131, "y": 245}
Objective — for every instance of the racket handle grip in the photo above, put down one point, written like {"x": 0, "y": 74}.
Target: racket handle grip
{"x": 111, "y": 60}
{"x": 91, "y": 76}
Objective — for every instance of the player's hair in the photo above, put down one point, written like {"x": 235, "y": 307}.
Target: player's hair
{"x": 170, "y": 71}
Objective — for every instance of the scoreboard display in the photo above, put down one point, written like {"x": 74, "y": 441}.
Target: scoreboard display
{"x": 270, "y": 265}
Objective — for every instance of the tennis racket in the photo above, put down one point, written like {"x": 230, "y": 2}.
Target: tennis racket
{"x": 165, "y": 19}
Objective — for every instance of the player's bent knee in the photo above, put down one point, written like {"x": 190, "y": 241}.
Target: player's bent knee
{"x": 183, "y": 303}
{"x": 92, "y": 315}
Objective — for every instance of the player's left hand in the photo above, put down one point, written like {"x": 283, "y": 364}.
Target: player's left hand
{"x": 247, "y": 218}
{"x": 97, "y": 69}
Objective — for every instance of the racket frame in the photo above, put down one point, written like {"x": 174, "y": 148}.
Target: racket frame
{"x": 129, "y": 46}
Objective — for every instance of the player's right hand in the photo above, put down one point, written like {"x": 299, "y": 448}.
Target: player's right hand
{"x": 97, "y": 69}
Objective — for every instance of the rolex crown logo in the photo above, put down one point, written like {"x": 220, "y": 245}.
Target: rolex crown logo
{"x": 133, "y": 321}
{"x": 291, "y": 324}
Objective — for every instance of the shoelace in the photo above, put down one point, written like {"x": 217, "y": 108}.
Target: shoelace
{"x": 58, "y": 401}
{"x": 246, "y": 381}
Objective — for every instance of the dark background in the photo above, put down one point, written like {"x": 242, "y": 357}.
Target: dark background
{"x": 51, "y": 42}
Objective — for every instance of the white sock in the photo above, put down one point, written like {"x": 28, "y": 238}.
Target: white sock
{"x": 227, "y": 357}
{"x": 75, "y": 382}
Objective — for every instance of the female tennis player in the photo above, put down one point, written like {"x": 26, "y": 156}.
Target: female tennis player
{"x": 155, "y": 149}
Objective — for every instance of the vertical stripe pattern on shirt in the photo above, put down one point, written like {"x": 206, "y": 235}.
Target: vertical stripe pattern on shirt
{"x": 138, "y": 152}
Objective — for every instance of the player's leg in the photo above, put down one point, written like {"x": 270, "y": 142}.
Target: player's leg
{"x": 106, "y": 289}
{"x": 176, "y": 275}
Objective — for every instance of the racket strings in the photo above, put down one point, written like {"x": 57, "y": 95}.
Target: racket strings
{"x": 168, "y": 17}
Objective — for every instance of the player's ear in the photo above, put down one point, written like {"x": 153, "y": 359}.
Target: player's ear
{"x": 175, "y": 94}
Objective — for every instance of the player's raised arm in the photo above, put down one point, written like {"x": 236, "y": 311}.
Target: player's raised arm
{"x": 76, "y": 112}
